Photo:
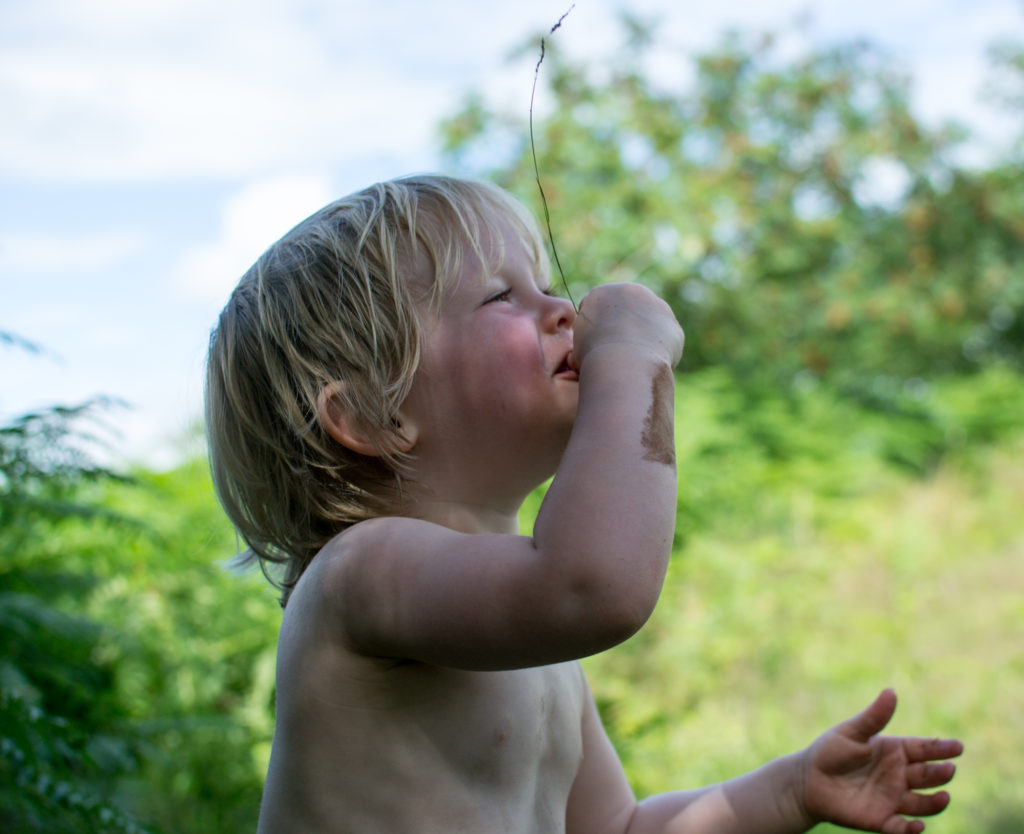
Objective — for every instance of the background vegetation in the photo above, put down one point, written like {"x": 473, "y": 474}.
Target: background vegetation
{"x": 850, "y": 431}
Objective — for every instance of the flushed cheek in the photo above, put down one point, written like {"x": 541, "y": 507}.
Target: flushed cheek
{"x": 503, "y": 350}
{"x": 501, "y": 383}
{"x": 519, "y": 362}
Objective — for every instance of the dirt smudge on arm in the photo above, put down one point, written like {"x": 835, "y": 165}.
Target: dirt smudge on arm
{"x": 659, "y": 432}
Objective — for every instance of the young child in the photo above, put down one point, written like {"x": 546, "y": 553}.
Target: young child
{"x": 386, "y": 385}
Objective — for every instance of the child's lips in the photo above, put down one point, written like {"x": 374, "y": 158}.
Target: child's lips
{"x": 567, "y": 368}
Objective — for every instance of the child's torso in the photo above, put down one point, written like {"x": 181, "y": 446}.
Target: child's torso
{"x": 364, "y": 745}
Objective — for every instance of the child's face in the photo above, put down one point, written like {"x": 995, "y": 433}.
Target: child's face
{"x": 494, "y": 389}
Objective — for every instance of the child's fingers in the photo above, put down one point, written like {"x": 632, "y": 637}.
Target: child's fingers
{"x": 931, "y": 749}
{"x": 899, "y": 825}
{"x": 871, "y": 720}
{"x": 923, "y": 804}
{"x": 927, "y": 775}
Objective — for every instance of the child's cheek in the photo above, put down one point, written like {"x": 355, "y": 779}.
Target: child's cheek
{"x": 517, "y": 358}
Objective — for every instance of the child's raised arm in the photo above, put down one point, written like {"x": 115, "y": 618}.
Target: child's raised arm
{"x": 609, "y": 515}
{"x": 591, "y": 573}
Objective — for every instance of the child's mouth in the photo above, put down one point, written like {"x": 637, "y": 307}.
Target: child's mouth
{"x": 567, "y": 367}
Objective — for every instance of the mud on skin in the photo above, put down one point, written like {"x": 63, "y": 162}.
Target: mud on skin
{"x": 659, "y": 434}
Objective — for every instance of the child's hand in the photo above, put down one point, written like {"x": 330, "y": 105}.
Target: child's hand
{"x": 626, "y": 314}
{"x": 856, "y": 778}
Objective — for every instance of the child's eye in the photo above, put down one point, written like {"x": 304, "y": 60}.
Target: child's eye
{"x": 499, "y": 296}
{"x": 552, "y": 292}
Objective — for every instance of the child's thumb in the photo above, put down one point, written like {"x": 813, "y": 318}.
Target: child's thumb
{"x": 873, "y": 719}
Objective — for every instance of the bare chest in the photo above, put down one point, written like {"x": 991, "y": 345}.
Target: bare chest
{"x": 386, "y": 748}
{"x": 494, "y": 727}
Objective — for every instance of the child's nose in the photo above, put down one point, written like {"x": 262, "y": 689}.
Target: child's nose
{"x": 559, "y": 313}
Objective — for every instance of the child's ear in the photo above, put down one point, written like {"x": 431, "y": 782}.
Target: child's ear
{"x": 341, "y": 425}
{"x": 404, "y": 434}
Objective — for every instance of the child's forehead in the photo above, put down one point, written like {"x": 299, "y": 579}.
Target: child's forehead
{"x": 475, "y": 249}
{"x": 499, "y": 241}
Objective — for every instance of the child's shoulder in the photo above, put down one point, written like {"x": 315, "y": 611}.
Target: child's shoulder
{"x": 356, "y": 548}
{"x": 340, "y": 582}
{"x": 365, "y": 563}
{"x": 367, "y": 542}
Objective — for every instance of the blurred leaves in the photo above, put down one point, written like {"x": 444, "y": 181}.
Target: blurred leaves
{"x": 62, "y": 739}
{"x": 136, "y": 674}
{"x": 793, "y": 210}
{"x": 850, "y": 414}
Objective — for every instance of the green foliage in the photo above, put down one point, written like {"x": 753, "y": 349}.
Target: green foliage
{"x": 50, "y": 769}
{"x": 853, "y": 301}
{"x": 137, "y": 672}
{"x": 198, "y": 680}
{"x": 771, "y": 629}
{"x": 813, "y": 568}
{"x": 63, "y": 743}
{"x": 799, "y": 218}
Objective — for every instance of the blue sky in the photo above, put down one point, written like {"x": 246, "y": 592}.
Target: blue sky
{"x": 150, "y": 151}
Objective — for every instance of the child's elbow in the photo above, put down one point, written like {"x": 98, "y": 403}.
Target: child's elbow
{"x": 630, "y": 618}
{"x": 612, "y": 616}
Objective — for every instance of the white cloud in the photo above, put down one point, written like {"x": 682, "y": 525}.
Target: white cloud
{"x": 114, "y": 91}
{"x": 111, "y": 90}
{"x": 33, "y": 251}
{"x": 117, "y": 117}
{"x": 952, "y": 67}
{"x": 250, "y": 221}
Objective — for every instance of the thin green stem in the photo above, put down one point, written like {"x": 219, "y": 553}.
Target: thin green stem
{"x": 536, "y": 167}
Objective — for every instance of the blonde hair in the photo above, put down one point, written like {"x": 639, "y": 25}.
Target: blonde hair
{"x": 334, "y": 303}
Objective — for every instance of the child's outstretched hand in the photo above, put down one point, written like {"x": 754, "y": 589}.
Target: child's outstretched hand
{"x": 856, "y": 778}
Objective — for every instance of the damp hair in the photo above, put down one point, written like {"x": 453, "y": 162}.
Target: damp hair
{"x": 335, "y": 304}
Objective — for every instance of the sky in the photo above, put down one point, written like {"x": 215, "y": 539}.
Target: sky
{"x": 150, "y": 151}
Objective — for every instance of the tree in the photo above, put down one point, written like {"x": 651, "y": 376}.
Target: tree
{"x": 63, "y": 744}
{"x": 803, "y": 223}
{"x": 136, "y": 674}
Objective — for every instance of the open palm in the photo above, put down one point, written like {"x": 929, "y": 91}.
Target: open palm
{"x": 858, "y": 779}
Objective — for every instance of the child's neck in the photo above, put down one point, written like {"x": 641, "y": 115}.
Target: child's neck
{"x": 465, "y": 517}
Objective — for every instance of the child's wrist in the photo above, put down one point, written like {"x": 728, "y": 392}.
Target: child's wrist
{"x": 622, "y": 353}
{"x": 782, "y": 792}
{"x": 795, "y": 794}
